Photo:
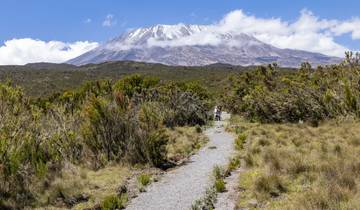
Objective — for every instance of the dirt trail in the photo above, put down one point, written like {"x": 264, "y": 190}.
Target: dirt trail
{"x": 179, "y": 188}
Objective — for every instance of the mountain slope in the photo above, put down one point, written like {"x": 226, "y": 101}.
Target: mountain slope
{"x": 196, "y": 45}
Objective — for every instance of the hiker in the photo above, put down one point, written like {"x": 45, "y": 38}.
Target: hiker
{"x": 217, "y": 113}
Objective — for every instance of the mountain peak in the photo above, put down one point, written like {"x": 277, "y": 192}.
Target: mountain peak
{"x": 160, "y": 33}
{"x": 191, "y": 45}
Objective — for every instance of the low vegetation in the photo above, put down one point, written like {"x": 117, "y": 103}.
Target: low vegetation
{"x": 219, "y": 175}
{"x": 268, "y": 95}
{"x": 220, "y": 185}
{"x": 114, "y": 202}
{"x": 297, "y": 136}
{"x": 207, "y": 202}
{"x": 298, "y": 166}
{"x": 98, "y": 124}
{"x": 144, "y": 180}
{"x": 39, "y": 80}
{"x": 184, "y": 141}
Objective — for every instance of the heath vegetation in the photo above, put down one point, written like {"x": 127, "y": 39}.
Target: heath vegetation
{"x": 99, "y": 123}
{"x": 307, "y": 94}
{"x": 298, "y": 166}
{"x": 297, "y": 135}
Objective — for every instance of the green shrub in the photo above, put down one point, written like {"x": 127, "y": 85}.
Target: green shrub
{"x": 153, "y": 133}
{"x": 198, "y": 129}
{"x": 183, "y": 106}
{"x": 104, "y": 129}
{"x": 311, "y": 95}
{"x": 114, "y": 202}
{"x": 234, "y": 163}
{"x": 207, "y": 202}
{"x": 269, "y": 185}
{"x": 135, "y": 84}
{"x": 220, "y": 185}
{"x": 92, "y": 125}
{"x": 218, "y": 172}
{"x": 240, "y": 141}
{"x": 144, "y": 179}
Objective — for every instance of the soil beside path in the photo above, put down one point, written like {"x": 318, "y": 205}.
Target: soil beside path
{"x": 179, "y": 188}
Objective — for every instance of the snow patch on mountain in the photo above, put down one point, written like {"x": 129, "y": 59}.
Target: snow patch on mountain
{"x": 192, "y": 45}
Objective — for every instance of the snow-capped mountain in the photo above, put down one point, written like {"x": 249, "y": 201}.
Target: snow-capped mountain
{"x": 196, "y": 45}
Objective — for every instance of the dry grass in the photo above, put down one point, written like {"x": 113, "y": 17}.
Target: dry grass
{"x": 104, "y": 183}
{"x": 98, "y": 185}
{"x": 183, "y": 142}
{"x": 297, "y": 166}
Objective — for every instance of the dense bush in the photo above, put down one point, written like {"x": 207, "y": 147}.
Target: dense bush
{"x": 89, "y": 126}
{"x": 184, "y": 106}
{"x": 268, "y": 95}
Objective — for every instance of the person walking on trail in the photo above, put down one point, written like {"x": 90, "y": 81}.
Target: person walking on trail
{"x": 217, "y": 113}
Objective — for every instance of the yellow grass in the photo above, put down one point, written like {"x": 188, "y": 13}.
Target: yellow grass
{"x": 184, "y": 141}
{"x": 97, "y": 184}
{"x": 105, "y": 182}
{"x": 297, "y": 166}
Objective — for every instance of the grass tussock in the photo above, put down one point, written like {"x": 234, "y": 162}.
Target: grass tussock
{"x": 113, "y": 202}
{"x": 144, "y": 180}
{"x": 220, "y": 185}
{"x": 219, "y": 174}
{"x": 184, "y": 141}
{"x": 298, "y": 166}
{"x": 233, "y": 164}
{"x": 80, "y": 188}
{"x": 240, "y": 141}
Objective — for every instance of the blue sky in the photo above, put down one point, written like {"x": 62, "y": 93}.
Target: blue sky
{"x": 80, "y": 20}
{"x": 65, "y": 19}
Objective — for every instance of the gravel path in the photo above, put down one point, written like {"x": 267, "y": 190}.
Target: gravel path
{"x": 179, "y": 188}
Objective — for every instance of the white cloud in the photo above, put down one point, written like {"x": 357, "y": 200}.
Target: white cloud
{"x": 22, "y": 51}
{"x": 109, "y": 21}
{"x": 351, "y": 26}
{"x": 308, "y": 32}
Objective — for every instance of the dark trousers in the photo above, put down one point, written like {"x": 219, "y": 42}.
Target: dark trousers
{"x": 217, "y": 117}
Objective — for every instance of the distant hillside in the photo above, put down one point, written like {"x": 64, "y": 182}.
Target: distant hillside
{"x": 55, "y": 66}
{"x": 45, "y": 78}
